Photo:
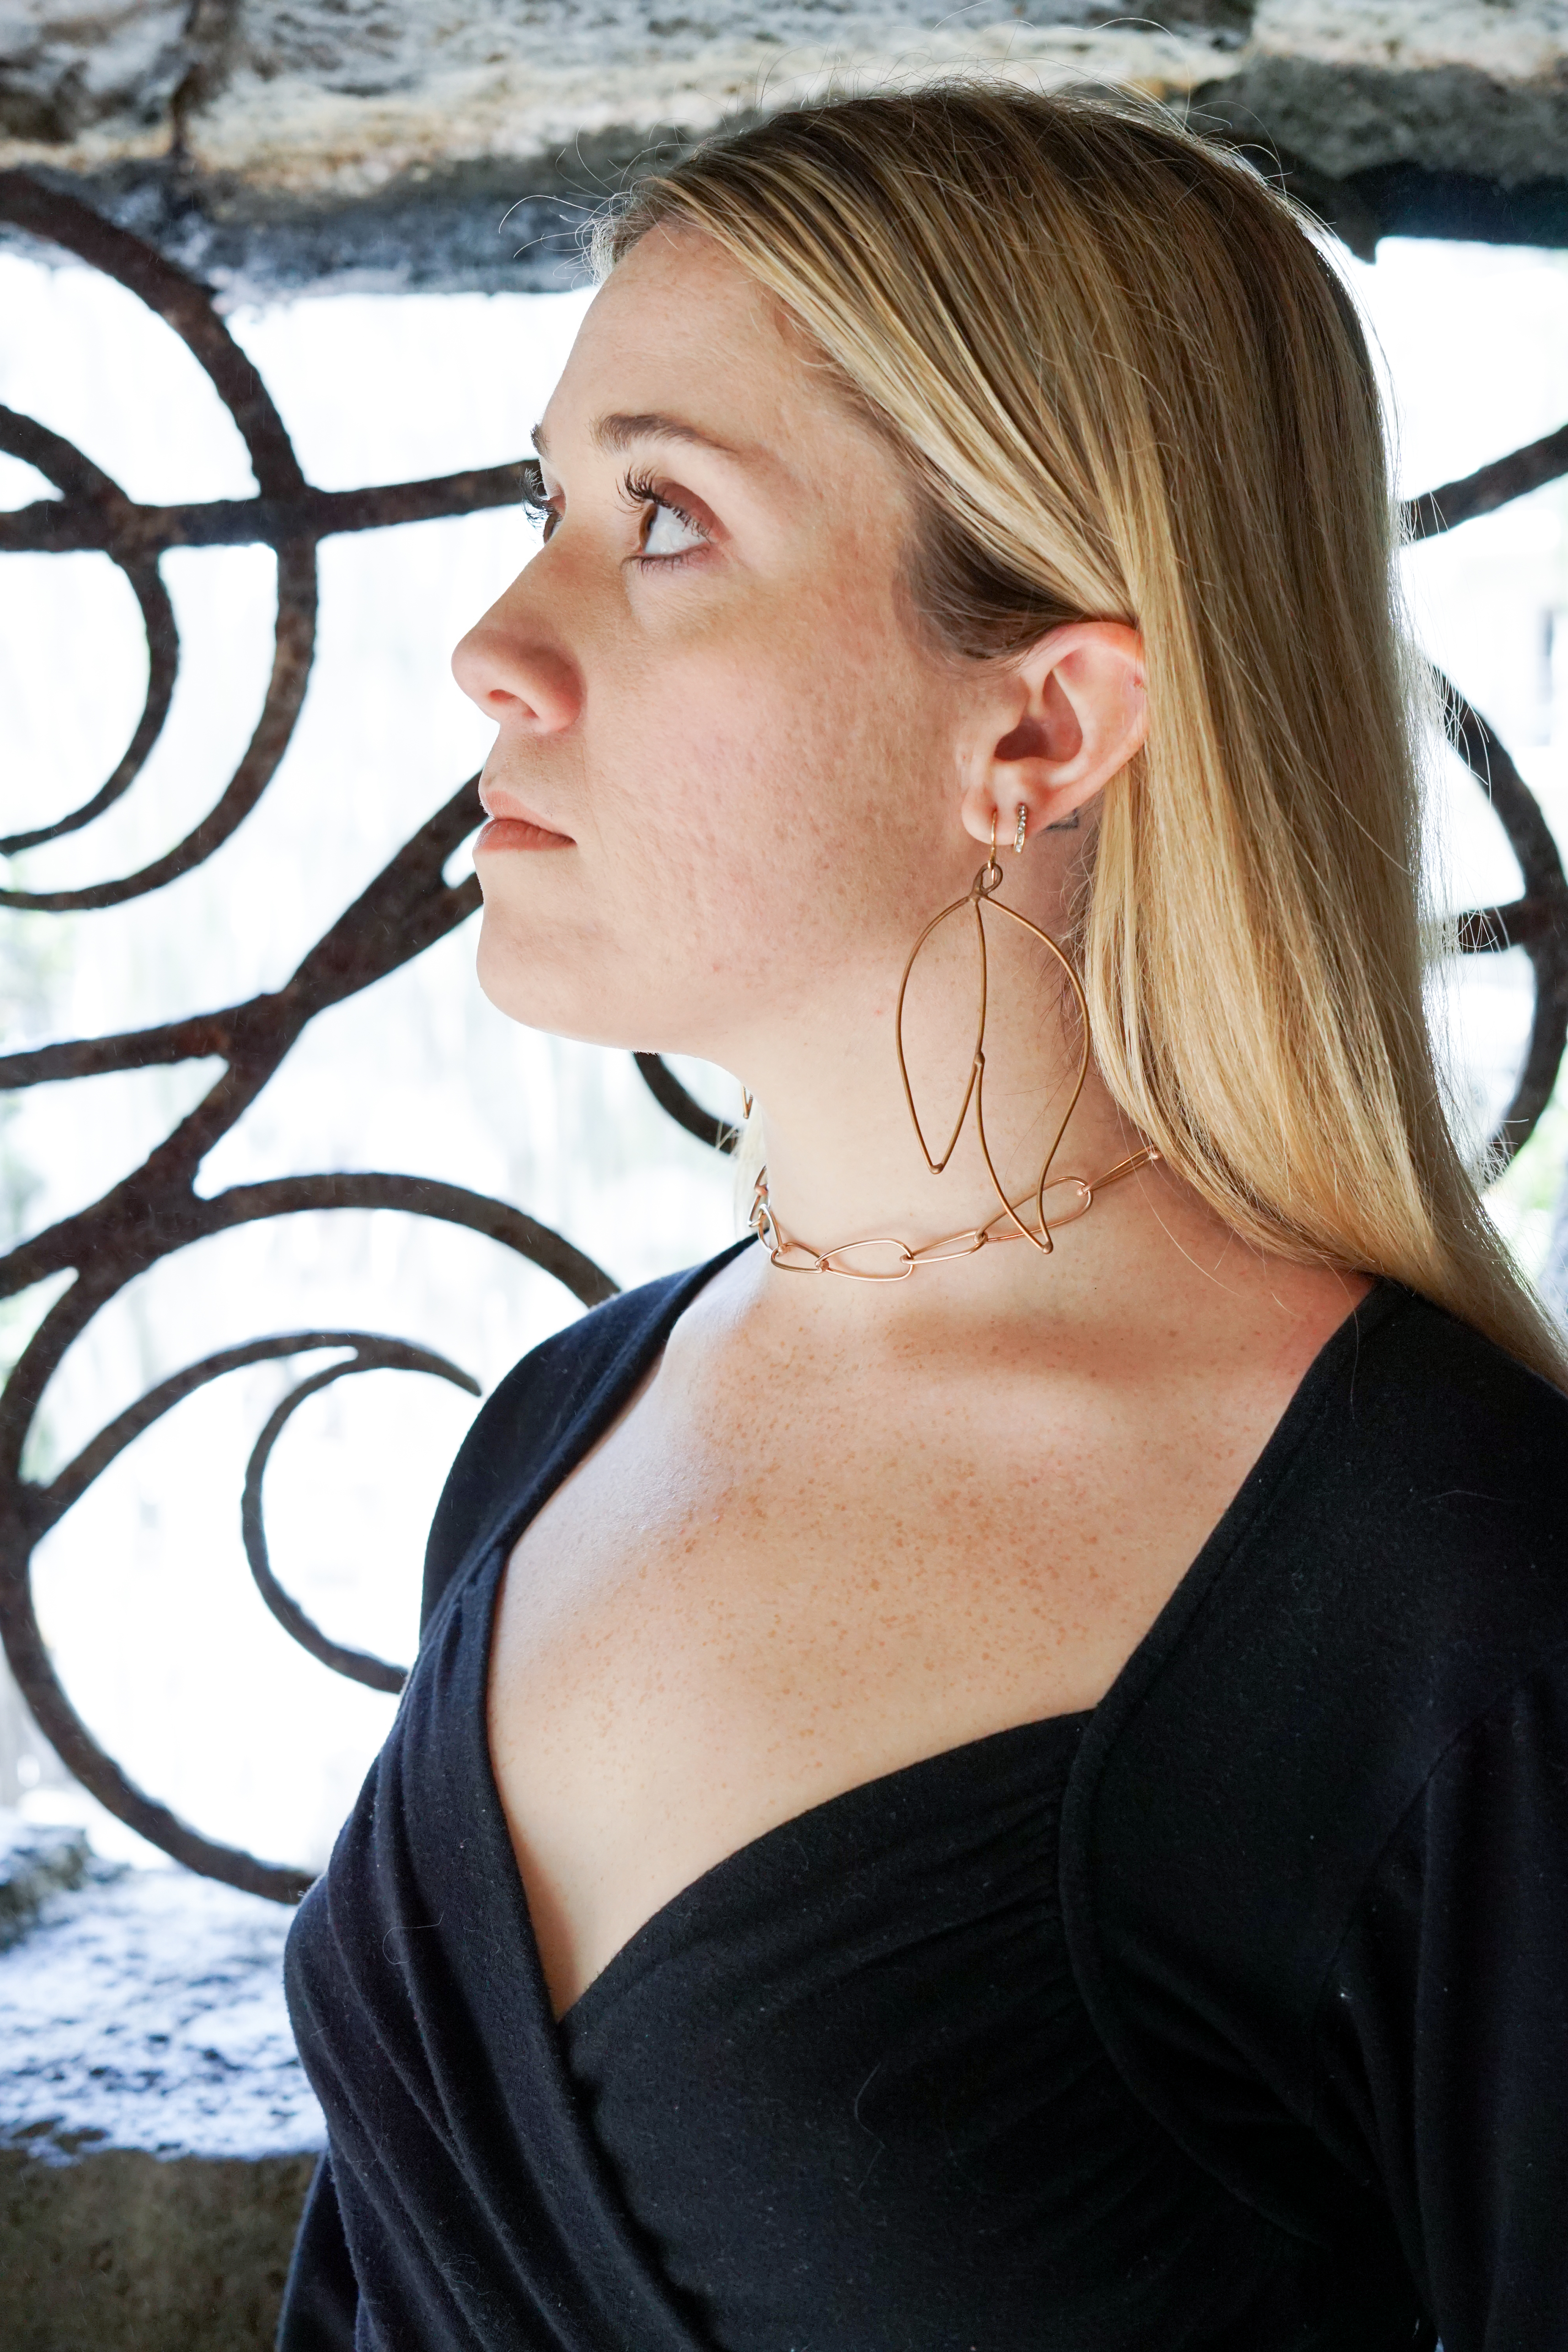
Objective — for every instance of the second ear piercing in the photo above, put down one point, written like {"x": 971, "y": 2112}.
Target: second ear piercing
{"x": 1022, "y": 829}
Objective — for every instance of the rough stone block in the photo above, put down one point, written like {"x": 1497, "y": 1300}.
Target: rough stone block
{"x": 272, "y": 145}
{"x": 125, "y": 2249}
{"x": 157, "y": 2134}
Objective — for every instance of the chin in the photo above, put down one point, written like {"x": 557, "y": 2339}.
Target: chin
{"x": 563, "y": 996}
{"x": 545, "y": 1002}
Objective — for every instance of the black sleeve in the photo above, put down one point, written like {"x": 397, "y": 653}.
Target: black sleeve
{"x": 1443, "y": 2039}
{"x": 517, "y": 1425}
{"x": 321, "y": 2298}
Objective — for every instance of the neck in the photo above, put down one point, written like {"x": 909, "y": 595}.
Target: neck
{"x": 845, "y": 1162}
{"x": 836, "y": 1198}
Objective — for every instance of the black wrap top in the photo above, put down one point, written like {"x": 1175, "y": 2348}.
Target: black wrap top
{"x": 1230, "y": 2017}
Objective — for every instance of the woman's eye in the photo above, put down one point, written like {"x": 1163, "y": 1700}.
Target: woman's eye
{"x": 669, "y": 533}
{"x": 536, "y": 501}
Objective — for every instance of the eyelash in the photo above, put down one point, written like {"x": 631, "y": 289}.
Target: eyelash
{"x": 535, "y": 501}
{"x": 637, "y": 490}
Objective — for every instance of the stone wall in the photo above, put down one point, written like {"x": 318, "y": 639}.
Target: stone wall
{"x": 127, "y": 2252}
{"x": 157, "y": 2135}
{"x": 278, "y": 143}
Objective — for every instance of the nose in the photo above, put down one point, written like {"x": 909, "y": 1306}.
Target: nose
{"x": 508, "y": 666}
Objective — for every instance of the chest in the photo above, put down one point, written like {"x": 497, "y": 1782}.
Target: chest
{"x": 723, "y": 1551}
{"x": 751, "y": 1597}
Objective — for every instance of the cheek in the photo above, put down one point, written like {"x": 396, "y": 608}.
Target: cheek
{"x": 740, "y": 866}
{"x": 788, "y": 753}
{"x": 750, "y": 804}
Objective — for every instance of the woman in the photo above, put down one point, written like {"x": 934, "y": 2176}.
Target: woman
{"x": 1024, "y": 1805}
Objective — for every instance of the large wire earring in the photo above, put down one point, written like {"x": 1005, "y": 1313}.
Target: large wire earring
{"x": 982, "y": 893}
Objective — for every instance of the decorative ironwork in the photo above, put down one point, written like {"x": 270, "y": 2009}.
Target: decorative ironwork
{"x": 1538, "y": 922}
{"x": 156, "y": 1211}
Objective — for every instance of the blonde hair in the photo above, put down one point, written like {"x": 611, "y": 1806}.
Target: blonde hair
{"x": 1126, "y": 386}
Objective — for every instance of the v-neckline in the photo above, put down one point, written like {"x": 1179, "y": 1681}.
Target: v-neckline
{"x": 1268, "y": 1466}
{"x": 629, "y": 1957}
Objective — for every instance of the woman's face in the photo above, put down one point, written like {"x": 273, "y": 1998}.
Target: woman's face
{"x": 725, "y": 789}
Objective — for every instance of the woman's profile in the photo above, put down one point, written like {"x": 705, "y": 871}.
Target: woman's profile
{"x": 989, "y": 1768}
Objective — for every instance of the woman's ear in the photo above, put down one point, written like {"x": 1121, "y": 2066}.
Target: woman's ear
{"x": 1068, "y": 716}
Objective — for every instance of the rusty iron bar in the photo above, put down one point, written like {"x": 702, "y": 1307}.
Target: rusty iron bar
{"x": 155, "y": 1211}
{"x": 1488, "y": 487}
{"x": 1538, "y": 922}
{"x": 683, "y": 1107}
{"x": 370, "y": 1354}
{"x": 88, "y": 489}
{"x": 117, "y": 526}
{"x": 180, "y": 301}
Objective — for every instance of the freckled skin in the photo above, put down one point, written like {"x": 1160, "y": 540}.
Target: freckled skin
{"x": 718, "y": 1621}
{"x": 842, "y": 1527}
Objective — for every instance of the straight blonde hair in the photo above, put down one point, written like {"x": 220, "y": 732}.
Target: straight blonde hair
{"x": 1126, "y": 386}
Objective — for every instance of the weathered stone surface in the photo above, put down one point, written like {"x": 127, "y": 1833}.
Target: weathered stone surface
{"x": 34, "y": 1865}
{"x": 131, "y": 2252}
{"x": 1356, "y": 86}
{"x": 64, "y": 72}
{"x": 275, "y": 144}
{"x": 157, "y": 2134}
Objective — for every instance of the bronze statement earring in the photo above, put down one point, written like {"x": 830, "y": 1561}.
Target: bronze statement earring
{"x": 885, "y": 1258}
{"x": 982, "y": 893}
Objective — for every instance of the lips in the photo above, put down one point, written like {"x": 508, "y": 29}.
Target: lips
{"x": 514, "y": 826}
{"x": 518, "y": 832}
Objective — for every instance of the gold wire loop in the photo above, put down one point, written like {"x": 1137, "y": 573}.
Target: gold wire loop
{"x": 981, "y": 893}
{"x": 956, "y": 1245}
{"x": 977, "y": 1061}
{"x": 832, "y": 1261}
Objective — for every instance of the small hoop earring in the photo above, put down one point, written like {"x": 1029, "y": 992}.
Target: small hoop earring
{"x": 1022, "y": 829}
{"x": 747, "y": 1102}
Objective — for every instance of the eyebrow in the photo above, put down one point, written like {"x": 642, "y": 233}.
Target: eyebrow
{"x": 619, "y": 431}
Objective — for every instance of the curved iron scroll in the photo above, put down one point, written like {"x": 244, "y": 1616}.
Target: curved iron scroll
{"x": 186, "y": 308}
{"x": 370, "y": 1354}
{"x": 156, "y": 1211}
{"x": 86, "y": 484}
{"x": 1538, "y": 922}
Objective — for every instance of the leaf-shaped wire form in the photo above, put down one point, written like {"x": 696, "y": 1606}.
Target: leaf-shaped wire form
{"x": 970, "y": 900}
{"x": 982, "y": 893}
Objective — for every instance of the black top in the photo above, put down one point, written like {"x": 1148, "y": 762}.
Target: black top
{"x": 1232, "y": 2017}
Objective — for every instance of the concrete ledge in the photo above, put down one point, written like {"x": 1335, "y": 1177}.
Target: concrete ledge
{"x": 273, "y": 145}
{"x": 157, "y": 2135}
{"x": 161, "y": 2255}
